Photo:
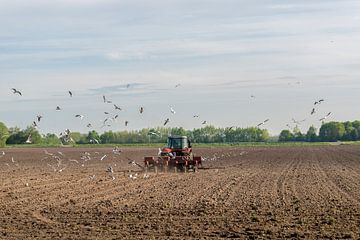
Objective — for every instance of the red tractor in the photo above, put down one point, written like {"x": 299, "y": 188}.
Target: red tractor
{"x": 176, "y": 156}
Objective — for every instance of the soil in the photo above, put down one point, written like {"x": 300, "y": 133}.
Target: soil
{"x": 247, "y": 193}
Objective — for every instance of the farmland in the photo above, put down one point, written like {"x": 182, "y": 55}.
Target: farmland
{"x": 247, "y": 192}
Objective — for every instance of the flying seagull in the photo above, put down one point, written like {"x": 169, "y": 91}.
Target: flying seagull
{"x": 29, "y": 140}
{"x": 89, "y": 125}
{"x": 204, "y": 122}
{"x": 105, "y": 100}
{"x": 166, "y": 121}
{"x": 70, "y": 93}
{"x": 79, "y": 116}
{"x": 327, "y": 115}
{"x": 34, "y": 124}
{"x": 117, "y": 107}
{"x": 195, "y": 116}
{"x": 15, "y": 91}
{"x": 126, "y": 123}
{"x": 312, "y": 111}
{"x": 141, "y": 110}
{"x": 39, "y": 117}
{"x": 263, "y": 122}
{"x": 319, "y": 102}
{"x": 172, "y": 110}
{"x": 58, "y": 108}
{"x": 177, "y": 85}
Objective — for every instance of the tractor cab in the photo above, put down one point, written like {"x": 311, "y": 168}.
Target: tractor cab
{"x": 177, "y": 146}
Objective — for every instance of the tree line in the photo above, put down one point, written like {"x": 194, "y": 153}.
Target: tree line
{"x": 208, "y": 134}
{"x": 329, "y": 132}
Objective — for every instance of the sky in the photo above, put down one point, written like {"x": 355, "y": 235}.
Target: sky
{"x": 234, "y": 62}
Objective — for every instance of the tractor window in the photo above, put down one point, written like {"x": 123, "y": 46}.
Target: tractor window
{"x": 177, "y": 143}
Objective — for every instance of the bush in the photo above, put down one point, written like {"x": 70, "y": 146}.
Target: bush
{"x": 4, "y": 134}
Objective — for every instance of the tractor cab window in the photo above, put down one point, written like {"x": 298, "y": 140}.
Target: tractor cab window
{"x": 177, "y": 143}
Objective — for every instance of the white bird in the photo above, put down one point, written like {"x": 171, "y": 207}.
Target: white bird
{"x": 117, "y": 107}
{"x": 2, "y": 154}
{"x": 154, "y": 133}
{"x": 79, "y": 116}
{"x": 263, "y": 122}
{"x": 39, "y": 117}
{"x": 15, "y": 91}
{"x": 324, "y": 118}
{"x": 29, "y": 140}
{"x": 172, "y": 110}
{"x": 103, "y": 157}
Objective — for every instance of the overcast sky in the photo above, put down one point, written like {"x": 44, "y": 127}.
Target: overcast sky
{"x": 287, "y": 54}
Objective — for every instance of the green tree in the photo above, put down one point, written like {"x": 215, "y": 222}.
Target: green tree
{"x": 4, "y": 134}
{"x": 286, "y": 136}
{"x": 332, "y": 131}
{"x": 92, "y": 135}
{"x": 311, "y": 135}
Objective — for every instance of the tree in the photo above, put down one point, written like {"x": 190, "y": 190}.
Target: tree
{"x": 4, "y": 134}
{"x": 92, "y": 135}
{"x": 311, "y": 135}
{"x": 286, "y": 136}
{"x": 51, "y": 139}
{"x": 332, "y": 131}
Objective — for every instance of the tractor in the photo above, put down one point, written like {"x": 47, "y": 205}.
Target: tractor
{"x": 177, "y": 155}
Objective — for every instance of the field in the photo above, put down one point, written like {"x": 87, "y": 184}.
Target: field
{"x": 249, "y": 192}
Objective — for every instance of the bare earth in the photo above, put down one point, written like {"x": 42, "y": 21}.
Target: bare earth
{"x": 279, "y": 192}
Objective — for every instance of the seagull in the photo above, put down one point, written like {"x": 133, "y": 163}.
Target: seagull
{"x": 79, "y": 116}
{"x": 89, "y": 125}
{"x": 252, "y": 96}
{"x": 312, "y": 111}
{"x": 117, "y": 107}
{"x": 154, "y": 133}
{"x": 126, "y": 123}
{"x": 196, "y": 116}
{"x": 105, "y": 100}
{"x": 29, "y": 139}
{"x": 34, "y": 124}
{"x": 327, "y": 115}
{"x": 177, "y": 85}
{"x": 263, "y": 122}
{"x": 204, "y": 122}
{"x": 128, "y": 85}
{"x": 319, "y": 102}
{"x": 141, "y": 110}
{"x": 106, "y": 113}
{"x": 166, "y": 121}
{"x": 70, "y": 93}
{"x": 2, "y": 154}
{"x": 58, "y": 108}
{"x": 103, "y": 157}
{"x": 39, "y": 117}
{"x": 15, "y": 91}
{"x": 298, "y": 122}
{"x": 172, "y": 110}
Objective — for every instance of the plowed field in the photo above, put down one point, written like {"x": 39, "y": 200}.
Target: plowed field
{"x": 277, "y": 192}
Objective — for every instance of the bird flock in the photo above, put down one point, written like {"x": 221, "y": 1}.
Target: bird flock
{"x": 110, "y": 117}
